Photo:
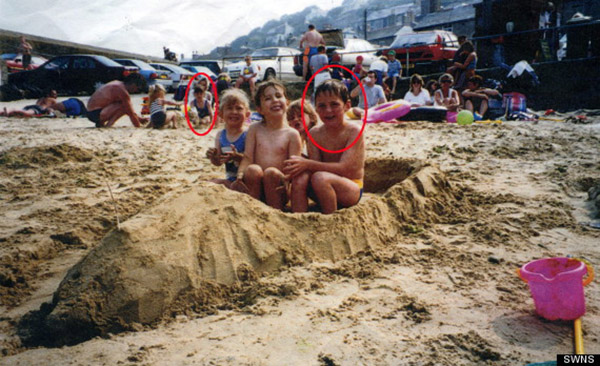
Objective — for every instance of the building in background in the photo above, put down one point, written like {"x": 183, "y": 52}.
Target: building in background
{"x": 459, "y": 19}
{"x": 383, "y": 24}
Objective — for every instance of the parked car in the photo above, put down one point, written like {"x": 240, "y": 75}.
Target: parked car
{"x": 428, "y": 52}
{"x": 176, "y": 73}
{"x": 149, "y": 73}
{"x": 14, "y": 62}
{"x": 70, "y": 74}
{"x": 214, "y": 65}
{"x": 271, "y": 62}
{"x": 196, "y": 69}
{"x": 355, "y": 47}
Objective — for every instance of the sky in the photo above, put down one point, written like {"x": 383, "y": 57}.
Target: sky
{"x": 145, "y": 26}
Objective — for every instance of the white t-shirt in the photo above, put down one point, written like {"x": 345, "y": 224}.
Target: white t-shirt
{"x": 422, "y": 99}
{"x": 379, "y": 65}
{"x": 373, "y": 93}
{"x": 248, "y": 70}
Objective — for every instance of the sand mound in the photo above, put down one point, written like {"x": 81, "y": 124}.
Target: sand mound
{"x": 195, "y": 246}
{"x": 43, "y": 156}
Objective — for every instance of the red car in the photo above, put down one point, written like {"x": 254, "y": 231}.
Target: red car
{"x": 427, "y": 52}
{"x": 14, "y": 62}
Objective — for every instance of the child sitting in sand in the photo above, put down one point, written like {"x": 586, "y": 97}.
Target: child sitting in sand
{"x": 294, "y": 118}
{"x": 230, "y": 142}
{"x": 268, "y": 144}
{"x": 201, "y": 105}
{"x": 159, "y": 117}
{"x": 335, "y": 178}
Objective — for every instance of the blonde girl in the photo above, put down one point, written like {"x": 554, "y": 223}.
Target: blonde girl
{"x": 159, "y": 117}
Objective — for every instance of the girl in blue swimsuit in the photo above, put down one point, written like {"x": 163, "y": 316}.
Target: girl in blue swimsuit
{"x": 202, "y": 105}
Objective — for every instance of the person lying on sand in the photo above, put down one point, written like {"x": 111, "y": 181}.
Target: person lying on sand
{"x": 112, "y": 101}
{"x": 268, "y": 144}
{"x": 335, "y": 178}
{"x": 72, "y": 107}
{"x": 230, "y": 142}
{"x": 42, "y": 107}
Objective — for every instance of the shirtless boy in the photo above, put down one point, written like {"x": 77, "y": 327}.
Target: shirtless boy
{"x": 268, "y": 144}
{"x": 112, "y": 101}
{"x": 335, "y": 178}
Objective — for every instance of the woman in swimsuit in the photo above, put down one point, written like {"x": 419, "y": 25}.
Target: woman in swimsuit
{"x": 445, "y": 96}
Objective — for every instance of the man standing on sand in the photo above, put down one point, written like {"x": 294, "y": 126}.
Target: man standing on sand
{"x": 310, "y": 41}
{"x": 112, "y": 101}
{"x": 25, "y": 49}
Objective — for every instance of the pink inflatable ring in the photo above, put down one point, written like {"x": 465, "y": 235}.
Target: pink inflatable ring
{"x": 388, "y": 112}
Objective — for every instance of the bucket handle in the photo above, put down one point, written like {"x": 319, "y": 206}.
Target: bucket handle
{"x": 590, "y": 272}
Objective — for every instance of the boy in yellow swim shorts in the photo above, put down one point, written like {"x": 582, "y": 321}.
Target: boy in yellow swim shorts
{"x": 336, "y": 179}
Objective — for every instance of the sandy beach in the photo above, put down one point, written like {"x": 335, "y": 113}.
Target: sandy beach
{"x": 113, "y": 239}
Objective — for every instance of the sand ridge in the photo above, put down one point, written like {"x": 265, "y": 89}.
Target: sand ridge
{"x": 437, "y": 285}
{"x": 206, "y": 234}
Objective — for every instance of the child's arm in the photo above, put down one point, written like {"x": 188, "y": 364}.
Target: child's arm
{"x": 466, "y": 63}
{"x": 454, "y": 99}
{"x": 214, "y": 153}
{"x": 168, "y": 102}
{"x": 248, "y": 152}
{"x": 344, "y": 168}
{"x": 474, "y": 94}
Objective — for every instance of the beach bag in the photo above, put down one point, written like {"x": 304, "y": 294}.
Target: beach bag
{"x": 514, "y": 102}
{"x": 496, "y": 108}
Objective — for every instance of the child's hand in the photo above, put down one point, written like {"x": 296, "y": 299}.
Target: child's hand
{"x": 213, "y": 155}
{"x": 295, "y": 165}
{"x": 235, "y": 155}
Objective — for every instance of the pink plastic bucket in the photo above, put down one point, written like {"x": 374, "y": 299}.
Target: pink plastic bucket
{"x": 556, "y": 285}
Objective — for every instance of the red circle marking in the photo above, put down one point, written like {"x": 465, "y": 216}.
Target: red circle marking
{"x": 214, "y": 89}
{"x": 302, "y": 109}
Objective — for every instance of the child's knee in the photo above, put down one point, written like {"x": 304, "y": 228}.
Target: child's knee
{"x": 301, "y": 181}
{"x": 253, "y": 172}
{"x": 272, "y": 175}
{"x": 318, "y": 180}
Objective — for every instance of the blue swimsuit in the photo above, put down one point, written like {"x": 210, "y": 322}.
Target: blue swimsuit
{"x": 231, "y": 168}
